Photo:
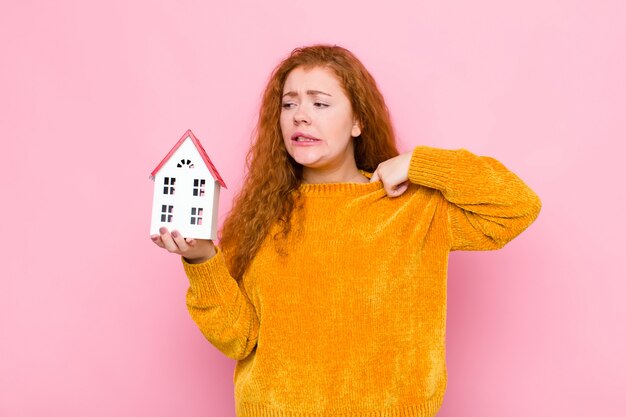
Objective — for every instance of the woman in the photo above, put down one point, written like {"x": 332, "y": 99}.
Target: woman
{"x": 329, "y": 285}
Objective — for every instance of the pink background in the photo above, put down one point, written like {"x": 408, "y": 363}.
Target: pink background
{"x": 92, "y": 315}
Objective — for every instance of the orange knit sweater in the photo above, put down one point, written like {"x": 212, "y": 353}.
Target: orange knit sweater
{"x": 351, "y": 322}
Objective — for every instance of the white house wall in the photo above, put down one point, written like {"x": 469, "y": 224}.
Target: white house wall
{"x": 215, "y": 207}
{"x": 183, "y": 199}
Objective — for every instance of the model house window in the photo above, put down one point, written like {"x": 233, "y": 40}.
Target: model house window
{"x": 185, "y": 163}
{"x": 168, "y": 185}
{"x": 166, "y": 213}
{"x": 196, "y": 216}
{"x": 198, "y": 187}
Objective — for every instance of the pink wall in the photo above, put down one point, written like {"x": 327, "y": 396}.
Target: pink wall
{"x": 92, "y": 315}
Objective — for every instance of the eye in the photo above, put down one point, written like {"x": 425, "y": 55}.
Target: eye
{"x": 288, "y": 105}
{"x": 320, "y": 104}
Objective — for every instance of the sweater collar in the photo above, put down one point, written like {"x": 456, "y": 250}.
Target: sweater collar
{"x": 341, "y": 188}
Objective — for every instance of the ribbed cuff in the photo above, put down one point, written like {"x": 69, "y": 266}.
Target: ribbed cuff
{"x": 208, "y": 280}
{"x": 431, "y": 167}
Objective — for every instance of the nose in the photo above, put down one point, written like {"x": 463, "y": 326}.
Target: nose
{"x": 301, "y": 117}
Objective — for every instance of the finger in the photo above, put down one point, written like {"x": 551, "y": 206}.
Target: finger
{"x": 400, "y": 189}
{"x": 157, "y": 240}
{"x": 169, "y": 243}
{"x": 179, "y": 240}
{"x": 375, "y": 177}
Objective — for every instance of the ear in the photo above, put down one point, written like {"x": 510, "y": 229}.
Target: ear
{"x": 356, "y": 129}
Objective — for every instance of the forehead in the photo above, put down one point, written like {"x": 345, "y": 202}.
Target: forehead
{"x": 316, "y": 78}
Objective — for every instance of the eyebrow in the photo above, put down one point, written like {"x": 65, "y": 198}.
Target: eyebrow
{"x": 308, "y": 92}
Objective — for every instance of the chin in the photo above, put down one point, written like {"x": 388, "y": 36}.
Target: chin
{"x": 309, "y": 161}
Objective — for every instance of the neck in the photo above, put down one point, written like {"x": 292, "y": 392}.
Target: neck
{"x": 323, "y": 176}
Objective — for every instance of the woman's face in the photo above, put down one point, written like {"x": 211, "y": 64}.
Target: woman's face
{"x": 316, "y": 120}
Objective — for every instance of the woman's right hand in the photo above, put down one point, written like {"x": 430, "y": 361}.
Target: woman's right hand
{"x": 194, "y": 251}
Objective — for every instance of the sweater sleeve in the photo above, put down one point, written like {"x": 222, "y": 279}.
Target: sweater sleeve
{"x": 221, "y": 308}
{"x": 488, "y": 205}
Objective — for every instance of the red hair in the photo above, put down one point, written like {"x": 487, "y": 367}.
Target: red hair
{"x": 270, "y": 190}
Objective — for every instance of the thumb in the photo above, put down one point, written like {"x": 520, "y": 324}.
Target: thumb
{"x": 375, "y": 177}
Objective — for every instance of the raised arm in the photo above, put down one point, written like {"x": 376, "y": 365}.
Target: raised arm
{"x": 488, "y": 204}
{"x": 216, "y": 302}
{"x": 221, "y": 308}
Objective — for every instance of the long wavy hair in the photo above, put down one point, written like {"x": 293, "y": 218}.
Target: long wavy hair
{"x": 270, "y": 190}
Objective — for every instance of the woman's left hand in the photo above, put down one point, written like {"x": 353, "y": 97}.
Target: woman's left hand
{"x": 394, "y": 173}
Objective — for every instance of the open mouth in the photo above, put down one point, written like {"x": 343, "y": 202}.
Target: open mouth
{"x": 303, "y": 138}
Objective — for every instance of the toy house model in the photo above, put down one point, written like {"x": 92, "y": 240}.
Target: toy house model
{"x": 186, "y": 191}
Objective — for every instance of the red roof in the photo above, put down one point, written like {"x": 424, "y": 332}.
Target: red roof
{"x": 202, "y": 152}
